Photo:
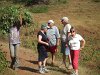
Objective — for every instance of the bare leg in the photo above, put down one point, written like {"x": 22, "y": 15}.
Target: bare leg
{"x": 53, "y": 58}
{"x": 76, "y": 71}
{"x": 40, "y": 63}
{"x": 70, "y": 63}
{"x": 69, "y": 57}
{"x": 44, "y": 62}
{"x": 64, "y": 59}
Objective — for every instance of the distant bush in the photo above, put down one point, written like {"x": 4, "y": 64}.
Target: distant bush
{"x": 47, "y": 2}
{"x": 3, "y": 62}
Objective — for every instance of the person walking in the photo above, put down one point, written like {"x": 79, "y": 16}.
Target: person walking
{"x": 64, "y": 41}
{"x": 41, "y": 47}
{"x": 75, "y": 40}
{"x": 54, "y": 37}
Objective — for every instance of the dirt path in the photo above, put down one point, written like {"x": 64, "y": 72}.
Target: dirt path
{"x": 28, "y": 62}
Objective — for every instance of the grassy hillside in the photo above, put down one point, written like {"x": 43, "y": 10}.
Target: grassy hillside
{"x": 83, "y": 14}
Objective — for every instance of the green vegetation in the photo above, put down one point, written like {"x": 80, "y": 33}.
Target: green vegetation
{"x": 78, "y": 12}
{"x": 46, "y": 2}
{"x": 3, "y": 62}
{"x": 11, "y": 15}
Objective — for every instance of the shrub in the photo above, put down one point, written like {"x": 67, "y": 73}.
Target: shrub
{"x": 11, "y": 15}
{"x": 46, "y": 2}
{"x": 3, "y": 62}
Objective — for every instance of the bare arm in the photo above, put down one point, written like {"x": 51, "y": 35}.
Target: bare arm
{"x": 58, "y": 40}
{"x": 82, "y": 44}
{"x": 42, "y": 42}
{"x": 67, "y": 38}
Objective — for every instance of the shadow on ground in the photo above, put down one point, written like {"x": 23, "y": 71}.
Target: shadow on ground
{"x": 28, "y": 69}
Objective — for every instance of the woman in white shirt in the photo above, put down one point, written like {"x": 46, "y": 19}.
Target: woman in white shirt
{"x": 76, "y": 43}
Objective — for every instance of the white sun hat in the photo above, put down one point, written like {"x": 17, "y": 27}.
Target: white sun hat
{"x": 65, "y": 19}
{"x": 51, "y": 21}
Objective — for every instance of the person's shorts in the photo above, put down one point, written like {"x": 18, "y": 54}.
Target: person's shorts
{"x": 67, "y": 51}
{"x": 52, "y": 49}
{"x": 63, "y": 47}
{"x": 42, "y": 54}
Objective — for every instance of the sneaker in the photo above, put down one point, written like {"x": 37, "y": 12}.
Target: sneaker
{"x": 45, "y": 69}
{"x": 41, "y": 70}
{"x": 70, "y": 67}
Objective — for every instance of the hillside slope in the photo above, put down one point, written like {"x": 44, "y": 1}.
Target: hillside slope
{"x": 84, "y": 15}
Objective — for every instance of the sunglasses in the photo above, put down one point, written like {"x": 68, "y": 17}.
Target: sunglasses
{"x": 72, "y": 31}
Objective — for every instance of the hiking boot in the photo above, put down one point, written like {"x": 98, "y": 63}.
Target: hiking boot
{"x": 45, "y": 69}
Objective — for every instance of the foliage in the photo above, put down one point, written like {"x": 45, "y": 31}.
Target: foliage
{"x": 11, "y": 15}
{"x": 3, "y": 62}
{"x": 46, "y": 2}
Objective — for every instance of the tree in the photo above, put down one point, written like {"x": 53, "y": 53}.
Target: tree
{"x": 11, "y": 15}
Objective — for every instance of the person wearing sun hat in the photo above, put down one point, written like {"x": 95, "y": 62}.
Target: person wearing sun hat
{"x": 65, "y": 33}
{"x": 54, "y": 37}
{"x": 41, "y": 47}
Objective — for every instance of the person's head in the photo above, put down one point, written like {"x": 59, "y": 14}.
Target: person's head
{"x": 17, "y": 24}
{"x": 64, "y": 20}
{"x": 50, "y": 23}
{"x": 44, "y": 27}
{"x": 72, "y": 31}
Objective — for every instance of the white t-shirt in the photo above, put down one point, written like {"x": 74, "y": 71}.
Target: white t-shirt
{"x": 65, "y": 30}
{"x": 74, "y": 42}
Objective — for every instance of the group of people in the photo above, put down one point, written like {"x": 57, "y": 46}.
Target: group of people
{"x": 48, "y": 40}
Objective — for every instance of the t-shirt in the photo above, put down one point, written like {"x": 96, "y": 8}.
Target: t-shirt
{"x": 53, "y": 34}
{"x": 74, "y": 42}
{"x": 64, "y": 32}
{"x": 14, "y": 36}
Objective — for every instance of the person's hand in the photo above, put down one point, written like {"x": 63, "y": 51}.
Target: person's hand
{"x": 81, "y": 48}
{"x": 66, "y": 45}
{"x": 56, "y": 50}
{"x": 57, "y": 44}
{"x": 47, "y": 44}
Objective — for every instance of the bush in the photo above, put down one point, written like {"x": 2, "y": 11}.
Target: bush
{"x": 46, "y": 2}
{"x": 11, "y": 15}
{"x": 3, "y": 62}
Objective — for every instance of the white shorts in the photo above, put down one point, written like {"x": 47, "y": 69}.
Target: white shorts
{"x": 67, "y": 51}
